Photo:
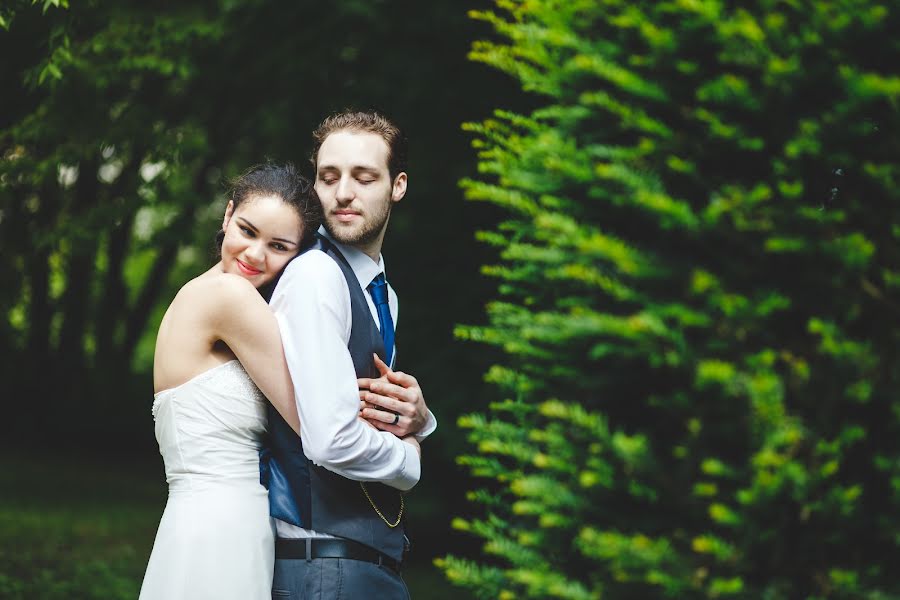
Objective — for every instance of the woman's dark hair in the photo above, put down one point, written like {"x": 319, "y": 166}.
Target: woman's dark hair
{"x": 285, "y": 182}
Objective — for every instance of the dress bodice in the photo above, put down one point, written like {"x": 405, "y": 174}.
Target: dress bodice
{"x": 210, "y": 428}
{"x": 215, "y": 537}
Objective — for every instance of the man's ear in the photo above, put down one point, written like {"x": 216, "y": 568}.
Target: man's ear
{"x": 229, "y": 210}
{"x": 399, "y": 189}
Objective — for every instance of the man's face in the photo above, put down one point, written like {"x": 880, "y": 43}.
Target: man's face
{"x": 355, "y": 188}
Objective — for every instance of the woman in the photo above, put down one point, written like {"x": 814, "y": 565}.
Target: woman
{"x": 215, "y": 539}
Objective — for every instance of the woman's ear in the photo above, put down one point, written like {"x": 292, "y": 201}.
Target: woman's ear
{"x": 229, "y": 210}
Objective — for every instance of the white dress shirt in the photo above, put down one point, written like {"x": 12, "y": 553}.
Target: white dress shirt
{"x": 312, "y": 305}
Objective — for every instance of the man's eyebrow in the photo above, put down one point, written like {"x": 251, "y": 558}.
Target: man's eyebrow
{"x": 366, "y": 168}
{"x": 353, "y": 169}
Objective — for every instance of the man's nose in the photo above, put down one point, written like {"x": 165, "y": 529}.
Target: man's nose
{"x": 344, "y": 192}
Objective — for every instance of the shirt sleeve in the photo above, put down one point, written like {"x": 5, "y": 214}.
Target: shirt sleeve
{"x": 312, "y": 306}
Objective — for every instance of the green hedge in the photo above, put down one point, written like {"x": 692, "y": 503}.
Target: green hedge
{"x": 697, "y": 303}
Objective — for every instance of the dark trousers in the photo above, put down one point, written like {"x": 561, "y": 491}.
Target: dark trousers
{"x": 336, "y": 579}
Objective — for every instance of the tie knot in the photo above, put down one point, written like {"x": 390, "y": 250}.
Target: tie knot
{"x": 378, "y": 289}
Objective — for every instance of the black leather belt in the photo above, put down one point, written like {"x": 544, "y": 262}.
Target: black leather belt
{"x": 311, "y": 548}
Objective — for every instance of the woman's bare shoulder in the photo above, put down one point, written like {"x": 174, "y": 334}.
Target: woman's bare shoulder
{"x": 216, "y": 287}
{"x": 212, "y": 295}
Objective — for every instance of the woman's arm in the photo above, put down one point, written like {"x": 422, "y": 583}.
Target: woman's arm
{"x": 239, "y": 316}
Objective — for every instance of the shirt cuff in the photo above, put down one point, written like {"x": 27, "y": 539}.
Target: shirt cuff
{"x": 430, "y": 426}
{"x": 412, "y": 470}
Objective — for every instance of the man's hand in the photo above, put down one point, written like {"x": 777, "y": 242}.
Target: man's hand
{"x": 393, "y": 402}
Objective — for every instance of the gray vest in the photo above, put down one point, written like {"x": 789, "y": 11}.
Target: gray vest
{"x": 313, "y": 497}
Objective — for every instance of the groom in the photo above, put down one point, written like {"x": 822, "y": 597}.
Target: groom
{"x": 337, "y": 497}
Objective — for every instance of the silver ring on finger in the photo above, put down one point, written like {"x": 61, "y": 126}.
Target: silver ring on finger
{"x": 396, "y": 419}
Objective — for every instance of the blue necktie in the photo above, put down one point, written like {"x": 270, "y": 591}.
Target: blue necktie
{"x": 378, "y": 289}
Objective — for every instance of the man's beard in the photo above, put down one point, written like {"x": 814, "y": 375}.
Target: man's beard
{"x": 369, "y": 232}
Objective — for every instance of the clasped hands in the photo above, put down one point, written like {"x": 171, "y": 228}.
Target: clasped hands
{"x": 393, "y": 403}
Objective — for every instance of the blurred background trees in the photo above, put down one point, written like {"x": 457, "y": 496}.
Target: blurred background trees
{"x": 124, "y": 123}
{"x": 697, "y": 303}
{"x": 120, "y": 124}
{"x": 689, "y": 215}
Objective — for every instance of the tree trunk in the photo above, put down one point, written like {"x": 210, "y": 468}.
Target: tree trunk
{"x": 37, "y": 274}
{"x": 37, "y": 370}
{"x": 149, "y": 295}
{"x": 112, "y": 303}
{"x": 79, "y": 273}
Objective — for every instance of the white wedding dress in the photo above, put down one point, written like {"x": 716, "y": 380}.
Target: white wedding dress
{"x": 215, "y": 539}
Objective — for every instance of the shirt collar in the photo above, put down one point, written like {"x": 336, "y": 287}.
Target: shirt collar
{"x": 363, "y": 266}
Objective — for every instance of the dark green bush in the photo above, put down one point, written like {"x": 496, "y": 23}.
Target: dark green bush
{"x": 697, "y": 303}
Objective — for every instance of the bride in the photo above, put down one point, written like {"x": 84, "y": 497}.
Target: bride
{"x": 218, "y": 357}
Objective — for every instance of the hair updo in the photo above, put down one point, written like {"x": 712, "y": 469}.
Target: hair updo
{"x": 282, "y": 181}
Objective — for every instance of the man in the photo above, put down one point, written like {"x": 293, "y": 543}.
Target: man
{"x": 337, "y": 498}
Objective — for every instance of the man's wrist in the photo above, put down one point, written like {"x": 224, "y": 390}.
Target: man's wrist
{"x": 412, "y": 441}
{"x": 412, "y": 467}
{"x": 428, "y": 428}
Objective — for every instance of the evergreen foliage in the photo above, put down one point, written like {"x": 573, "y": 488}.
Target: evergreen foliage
{"x": 697, "y": 303}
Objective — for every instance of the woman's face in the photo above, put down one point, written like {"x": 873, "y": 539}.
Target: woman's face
{"x": 261, "y": 235}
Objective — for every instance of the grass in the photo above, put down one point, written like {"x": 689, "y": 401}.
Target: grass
{"x": 82, "y": 528}
{"x": 73, "y": 528}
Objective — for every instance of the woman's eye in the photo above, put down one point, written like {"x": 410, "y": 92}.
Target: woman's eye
{"x": 247, "y": 231}
{"x": 366, "y": 181}
{"x": 327, "y": 180}
{"x": 279, "y": 246}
